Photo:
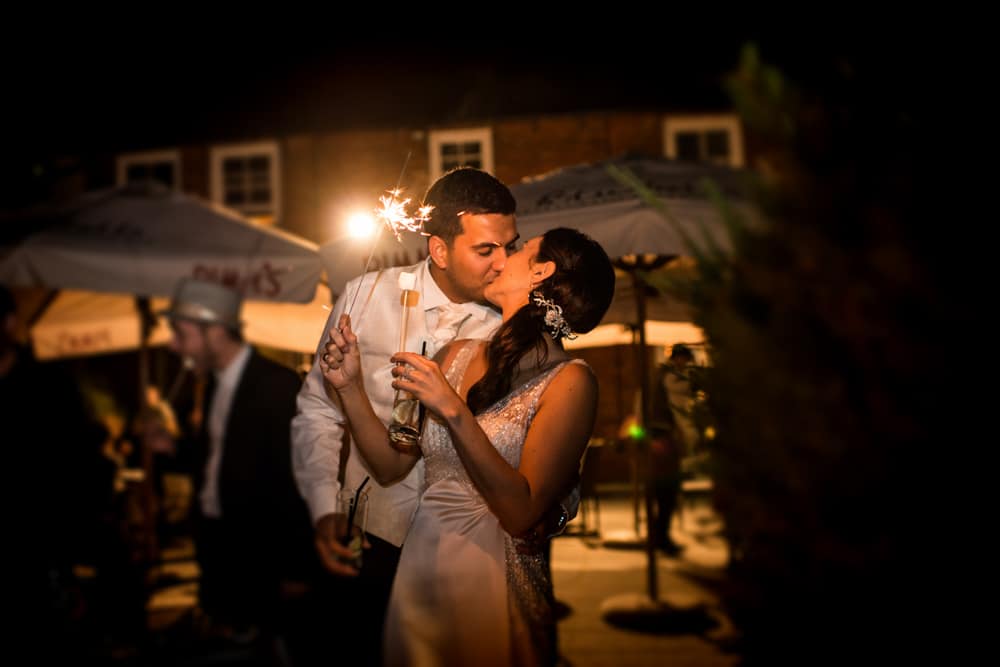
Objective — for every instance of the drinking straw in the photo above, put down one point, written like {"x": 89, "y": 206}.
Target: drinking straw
{"x": 354, "y": 507}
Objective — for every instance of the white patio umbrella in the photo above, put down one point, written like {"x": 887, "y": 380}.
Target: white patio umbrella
{"x": 80, "y": 323}
{"x": 142, "y": 240}
{"x": 587, "y": 197}
{"x": 288, "y": 326}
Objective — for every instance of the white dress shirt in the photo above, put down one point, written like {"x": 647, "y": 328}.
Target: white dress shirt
{"x": 226, "y": 382}
{"x": 318, "y": 428}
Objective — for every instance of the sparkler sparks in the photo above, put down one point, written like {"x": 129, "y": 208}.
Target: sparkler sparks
{"x": 394, "y": 214}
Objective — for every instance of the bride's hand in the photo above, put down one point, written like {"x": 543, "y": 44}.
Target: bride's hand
{"x": 340, "y": 362}
{"x": 423, "y": 378}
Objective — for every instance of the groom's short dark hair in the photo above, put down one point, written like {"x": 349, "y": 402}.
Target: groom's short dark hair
{"x": 464, "y": 190}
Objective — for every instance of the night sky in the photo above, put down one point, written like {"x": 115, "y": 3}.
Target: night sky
{"x": 87, "y": 89}
{"x": 148, "y": 82}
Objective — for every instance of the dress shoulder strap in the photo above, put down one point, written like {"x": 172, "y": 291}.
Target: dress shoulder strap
{"x": 455, "y": 372}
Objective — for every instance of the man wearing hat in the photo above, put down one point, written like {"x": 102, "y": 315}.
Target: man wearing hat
{"x": 253, "y": 534}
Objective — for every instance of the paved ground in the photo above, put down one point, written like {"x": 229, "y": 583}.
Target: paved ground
{"x": 687, "y": 629}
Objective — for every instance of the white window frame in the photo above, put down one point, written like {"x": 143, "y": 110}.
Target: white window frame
{"x": 218, "y": 154}
{"x": 484, "y": 135}
{"x": 673, "y": 124}
{"x": 126, "y": 160}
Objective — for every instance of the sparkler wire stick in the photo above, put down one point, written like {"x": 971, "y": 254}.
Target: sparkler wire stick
{"x": 378, "y": 234}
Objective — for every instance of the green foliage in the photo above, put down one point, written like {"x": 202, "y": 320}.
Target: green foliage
{"x": 820, "y": 326}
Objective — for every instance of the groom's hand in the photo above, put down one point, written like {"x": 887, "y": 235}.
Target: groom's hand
{"x": 334, "y": 555}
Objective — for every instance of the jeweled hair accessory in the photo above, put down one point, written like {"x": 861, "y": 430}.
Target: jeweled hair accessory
{"x": 553, "y": 317}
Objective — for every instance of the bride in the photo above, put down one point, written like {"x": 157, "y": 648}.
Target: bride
{"x": 509, "y": 420}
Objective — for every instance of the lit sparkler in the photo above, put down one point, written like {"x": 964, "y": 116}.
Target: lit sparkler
{"x": 393, "y": 212}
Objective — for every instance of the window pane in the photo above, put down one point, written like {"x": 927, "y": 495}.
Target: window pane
{"x": 259, "y": 178}
{"x": 687, "y": 146}
{"x": 717, "y": 143}
{"x": 163, "y": 172}
{"x": 260, "y": 195}
{"x": 232, "y": 165}
{"x": 466, "y": 153}
{"x": 260, "y": 163}
{"x": 248, "y": 182}
{"x": 136, "y": 173}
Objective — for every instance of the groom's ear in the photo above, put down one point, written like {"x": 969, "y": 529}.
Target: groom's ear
{"x": 438, "y": 250}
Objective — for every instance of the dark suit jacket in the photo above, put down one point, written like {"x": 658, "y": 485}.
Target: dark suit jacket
{"x": 256, "y": 485}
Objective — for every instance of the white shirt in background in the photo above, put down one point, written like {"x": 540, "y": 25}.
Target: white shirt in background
{"x": 226, "y": 382}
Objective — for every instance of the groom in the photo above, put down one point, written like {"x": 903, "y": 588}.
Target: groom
{"x": 471, "y": 233}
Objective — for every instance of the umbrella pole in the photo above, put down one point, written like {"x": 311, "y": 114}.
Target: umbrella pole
{"x": 640, "y": 451}
{"x": 145, "y": 327}
{"x": 637, "y": 445}
{"x": 149, "y": 504}
{"x": 642, "y": 363}
{"x": 636, "y": 611}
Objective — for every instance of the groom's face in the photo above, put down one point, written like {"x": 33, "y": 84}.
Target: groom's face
{"x": 476, "y": 256}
